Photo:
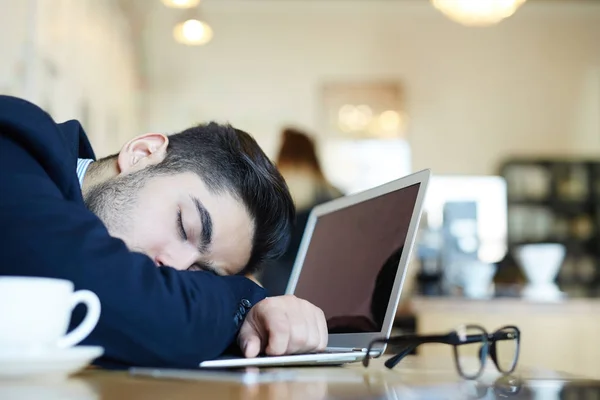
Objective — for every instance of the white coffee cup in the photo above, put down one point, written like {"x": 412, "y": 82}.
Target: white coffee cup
{"x": 35, "y": 313}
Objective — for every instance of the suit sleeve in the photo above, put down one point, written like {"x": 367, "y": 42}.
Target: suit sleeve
{"x": 150, "y": 316}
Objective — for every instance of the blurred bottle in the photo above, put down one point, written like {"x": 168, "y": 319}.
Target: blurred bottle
{"x": 428, "y": 252}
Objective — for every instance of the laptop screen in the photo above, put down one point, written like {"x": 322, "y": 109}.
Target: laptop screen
{"x": 352, "y": 260}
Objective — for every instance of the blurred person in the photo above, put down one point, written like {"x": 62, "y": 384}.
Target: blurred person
{"x": 163, "y": 232}
{"x": 299, "y": 165}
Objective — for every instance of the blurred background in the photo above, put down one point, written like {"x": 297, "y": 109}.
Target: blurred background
{"x": 501, "y": 99}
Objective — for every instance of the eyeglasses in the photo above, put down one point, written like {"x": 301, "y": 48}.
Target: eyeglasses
{"x": 472, "y": 345}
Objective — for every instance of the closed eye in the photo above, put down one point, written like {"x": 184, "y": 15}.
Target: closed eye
{"x": 182, "y": 233}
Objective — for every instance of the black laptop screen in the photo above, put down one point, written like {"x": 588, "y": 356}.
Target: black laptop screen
{"x": 352, "y": 260}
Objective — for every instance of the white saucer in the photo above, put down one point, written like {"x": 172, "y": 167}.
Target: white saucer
{"x": 55, "y": 363}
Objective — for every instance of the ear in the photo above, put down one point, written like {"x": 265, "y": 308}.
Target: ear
{"x": 142, "y": 151}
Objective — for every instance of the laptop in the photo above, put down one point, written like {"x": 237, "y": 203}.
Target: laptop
{"x": 352, "y": 263}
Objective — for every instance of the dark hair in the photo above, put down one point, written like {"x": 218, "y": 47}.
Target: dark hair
{"x": 298, "y": 149}
{"x": 230, "y": 160}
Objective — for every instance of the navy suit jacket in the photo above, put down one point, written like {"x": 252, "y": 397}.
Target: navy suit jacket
{"x": 150, "y": 316}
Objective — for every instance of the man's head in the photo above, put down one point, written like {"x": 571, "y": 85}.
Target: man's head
{"x": 205, "y": 198}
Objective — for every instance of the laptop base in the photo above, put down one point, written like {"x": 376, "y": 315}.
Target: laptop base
{"x": 333, "y": 358}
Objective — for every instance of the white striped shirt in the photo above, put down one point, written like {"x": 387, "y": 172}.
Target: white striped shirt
{"x": 82, "y": 166}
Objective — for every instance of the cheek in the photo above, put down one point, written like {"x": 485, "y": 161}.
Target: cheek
{"x": 152, "y": 232}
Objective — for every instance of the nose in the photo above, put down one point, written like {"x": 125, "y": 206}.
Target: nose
{"x": 180, "y": 257}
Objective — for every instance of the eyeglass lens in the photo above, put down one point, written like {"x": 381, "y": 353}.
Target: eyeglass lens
{"x": 471, "y": 351}
{"x": 506, "y": 348}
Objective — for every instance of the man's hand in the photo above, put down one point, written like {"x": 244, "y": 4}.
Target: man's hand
{"x": 283, "y": 325}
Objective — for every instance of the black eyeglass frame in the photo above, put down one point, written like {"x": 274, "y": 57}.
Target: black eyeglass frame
{"x": 453, "y": 338}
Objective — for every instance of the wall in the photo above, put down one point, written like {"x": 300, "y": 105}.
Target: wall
{"x": 74, "y": 58}
{"x": 474, "y": 96}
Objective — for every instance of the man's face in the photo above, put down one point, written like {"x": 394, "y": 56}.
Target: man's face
{"x": 176, "y": 221}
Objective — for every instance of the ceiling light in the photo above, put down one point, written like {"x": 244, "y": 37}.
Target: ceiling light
{"x": 181, "y": 3}
{"x": 193, "y": 32}
{"x": 477, "y": 12}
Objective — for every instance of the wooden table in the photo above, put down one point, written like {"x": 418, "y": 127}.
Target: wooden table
{"x": 415, "y": 378}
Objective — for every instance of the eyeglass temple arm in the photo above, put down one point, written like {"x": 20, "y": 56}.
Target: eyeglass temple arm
{"x": 416, "y": 341}
{"x": 392, "y": 362}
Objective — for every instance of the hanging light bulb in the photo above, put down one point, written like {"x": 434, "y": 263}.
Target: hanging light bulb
{"x": 193, "y": 32}
{"x": 477, "y": 12}
{"x": 181, "y": 3}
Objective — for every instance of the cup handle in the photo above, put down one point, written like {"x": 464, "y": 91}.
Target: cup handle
{"x": 89, "y": 322}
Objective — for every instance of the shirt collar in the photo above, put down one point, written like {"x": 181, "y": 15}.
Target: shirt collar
{"x": 82, "y": 166}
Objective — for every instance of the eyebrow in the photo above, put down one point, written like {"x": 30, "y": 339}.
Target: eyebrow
{"x": 207, "y": 226}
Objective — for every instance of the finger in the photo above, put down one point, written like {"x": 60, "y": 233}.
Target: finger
{"x": 252, "y": 336}
{"x": 313, "y": 337}
{"x": 278, "y": 328}
{"x": 251, "y": 346}
{"x": 299, "y": 330}
{"x": 322, "y": 327}
{"x": 318, "y": 329}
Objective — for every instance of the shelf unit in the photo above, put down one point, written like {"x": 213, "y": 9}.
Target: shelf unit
{"x": 558, "y": 201}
